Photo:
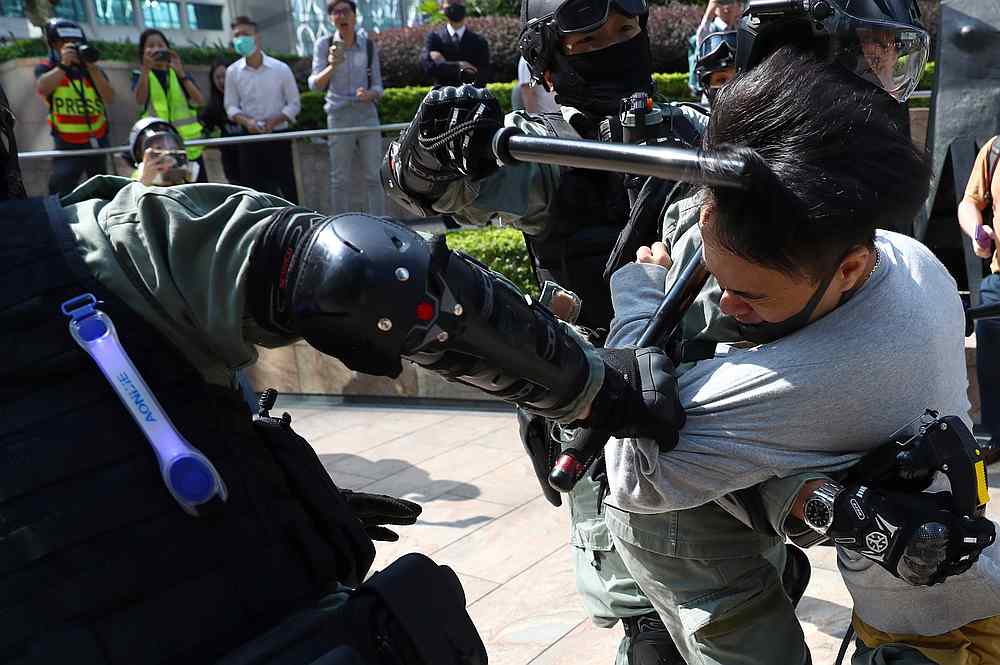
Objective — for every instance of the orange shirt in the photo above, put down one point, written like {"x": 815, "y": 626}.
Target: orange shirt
{"x": 980, "y": 190}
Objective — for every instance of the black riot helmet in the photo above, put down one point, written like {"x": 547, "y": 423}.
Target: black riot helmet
{"x": 882, "y": 41}
{"x": 62, "y": 29}
{"x": 593, "y": 82}
{"x": 11, "y": 185}
{"x": 716, "y": 53}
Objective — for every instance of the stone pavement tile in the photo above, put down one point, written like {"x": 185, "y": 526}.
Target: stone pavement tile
{"x": 357, "y": 464}
{"x": 512, "y": 484}
{"x": 823, "y": 557}
{"x": 529, "y": 613}
{"x": 825, "y": 612}
{"x": 504, "y": 437}
{"x": 366, "y": 428}
{"x": 442, "y": 522}
{"x": 475, "y": 587}
{"x": 512, "y": 544}
{"x": 586, "y": 644}
{"x": 349, "y": 481}
{"x": 449, "y": 472}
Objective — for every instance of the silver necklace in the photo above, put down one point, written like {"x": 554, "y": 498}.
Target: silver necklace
{"x": 878, "y": 258}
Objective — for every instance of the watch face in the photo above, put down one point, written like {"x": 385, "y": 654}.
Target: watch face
{"x": 817, "y": 513}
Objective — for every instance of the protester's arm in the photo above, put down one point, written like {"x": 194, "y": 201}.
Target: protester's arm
{"x": 322, "y": 70}
{"x": 977, "y": 194}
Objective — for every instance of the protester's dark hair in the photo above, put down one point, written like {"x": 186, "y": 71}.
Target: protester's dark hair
{"x": 333, "y": 3}
{"x": 243, "y": 20}
{"x": 213, "y": 115}
{"x": 146, "y": 34}
{"x": 829, "y": 165}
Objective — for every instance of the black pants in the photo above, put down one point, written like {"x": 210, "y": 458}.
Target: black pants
{"x": 267, "y": 167}
{"x": 67, "y": 171}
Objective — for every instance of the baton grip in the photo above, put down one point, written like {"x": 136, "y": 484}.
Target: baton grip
{"x": 574, "y": 462}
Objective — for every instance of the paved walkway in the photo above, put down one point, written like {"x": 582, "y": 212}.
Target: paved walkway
{"x": 484, "y": 515}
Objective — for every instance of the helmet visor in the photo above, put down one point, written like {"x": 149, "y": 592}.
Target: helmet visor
{"x": 711, "y": 45}
{"x": 889, "y": 55}
{"x": 586, "y": 15}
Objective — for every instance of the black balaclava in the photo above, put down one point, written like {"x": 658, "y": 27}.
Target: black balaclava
{"x": 596, "y": 82}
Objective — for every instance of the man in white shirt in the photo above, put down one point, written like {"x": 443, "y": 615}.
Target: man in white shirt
{"x": 261, "y": 96}
{"x": 535, "y": 98}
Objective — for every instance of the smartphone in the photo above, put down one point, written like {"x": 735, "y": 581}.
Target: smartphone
{"x": 162, "y": 55}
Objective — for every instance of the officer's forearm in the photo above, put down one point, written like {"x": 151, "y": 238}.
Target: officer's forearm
{"x": 371, "y": 293}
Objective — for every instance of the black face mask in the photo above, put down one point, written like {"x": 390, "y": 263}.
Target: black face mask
{"x": 455, "y": 13}
{"x": 596, "y": 82}
{"x": 762, "y": 333}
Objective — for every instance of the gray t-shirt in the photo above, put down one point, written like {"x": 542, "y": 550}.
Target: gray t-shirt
{"x": 815, "y": 401}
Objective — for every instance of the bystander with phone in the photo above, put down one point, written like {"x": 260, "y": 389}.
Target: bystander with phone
{"x": 346, "y": 66}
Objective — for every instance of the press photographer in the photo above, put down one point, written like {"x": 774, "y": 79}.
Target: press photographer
{"x": 76, "y": 91}
{"x": 164, "y": 89}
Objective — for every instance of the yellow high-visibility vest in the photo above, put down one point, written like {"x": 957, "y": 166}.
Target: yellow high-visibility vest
{"x": 172, "y": 105}
{"x": 77, "y": 113}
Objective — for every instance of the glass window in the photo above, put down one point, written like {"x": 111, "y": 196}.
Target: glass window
{"x": 204, "y": 17}
{"x": 114, "y": 12}
{"x": 71, "y": 9}
{"x": 161, "y": 14}
{"x": 12, "y": 7}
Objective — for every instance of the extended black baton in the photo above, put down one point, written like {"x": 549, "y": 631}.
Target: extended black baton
{"x": 688, "y": 165}
{"x": 700, "y": 167}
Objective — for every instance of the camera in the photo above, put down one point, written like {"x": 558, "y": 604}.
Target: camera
{"x": 161, "y": 55}
{"x": 87, "y": 52}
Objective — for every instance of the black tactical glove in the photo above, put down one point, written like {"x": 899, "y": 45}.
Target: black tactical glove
{"x": 639, "y": 397}
{"x": 449, "y": 139}
{"x": 374, "y": 510}
{"x": 916, "y": 537}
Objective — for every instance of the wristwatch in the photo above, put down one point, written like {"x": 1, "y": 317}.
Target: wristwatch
{"x": 818, "y": 509}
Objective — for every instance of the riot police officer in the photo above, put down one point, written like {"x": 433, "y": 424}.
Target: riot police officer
{"x": 594, "y": 54}
{"x": 146, "y": 516}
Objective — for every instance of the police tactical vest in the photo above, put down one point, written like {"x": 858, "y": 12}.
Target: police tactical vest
{"x": 77, "y": 112}
{"x": 98, "y": 564}
{"x": 589, "y": 211}
{"x": 172, "y": 105}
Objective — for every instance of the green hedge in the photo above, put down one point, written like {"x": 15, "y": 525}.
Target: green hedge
{"x": 501, "y": 249}
{"x": 400, "y": 104}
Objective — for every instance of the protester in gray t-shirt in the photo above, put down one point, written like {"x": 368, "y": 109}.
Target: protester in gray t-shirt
{"x": 859, "y": 332}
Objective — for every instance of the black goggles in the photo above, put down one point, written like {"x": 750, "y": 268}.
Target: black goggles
{"x": 712, "y": 44}
{"x": 586, "y": 15}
